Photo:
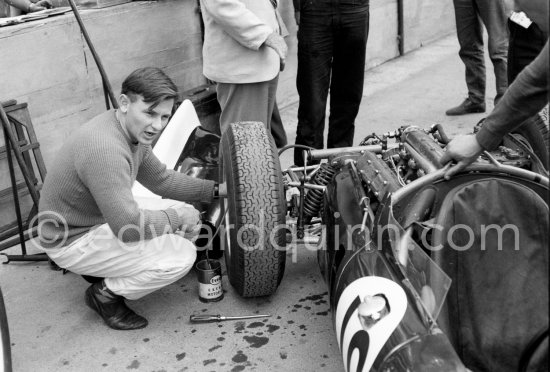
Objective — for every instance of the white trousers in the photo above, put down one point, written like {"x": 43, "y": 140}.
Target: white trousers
{"x": 132, "y": 270}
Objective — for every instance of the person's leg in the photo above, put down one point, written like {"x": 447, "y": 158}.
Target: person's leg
{"x": 131, "y": 270}
{"x": 348, "y": 70}
{"x": 277, "y": 128}
{"x": 493, "y": 15}
{"x": 470, "y": 37}
{"x": 315, "y": 47}
{"x": 524, "y": 46}
{"x": 246, "y": 102}
{"x": 134, "y": 269}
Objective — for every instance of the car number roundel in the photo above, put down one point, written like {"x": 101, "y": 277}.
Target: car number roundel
{"x": 358, "y": 346}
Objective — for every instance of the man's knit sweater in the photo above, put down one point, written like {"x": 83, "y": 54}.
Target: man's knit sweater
{"x": 90, "y": 183}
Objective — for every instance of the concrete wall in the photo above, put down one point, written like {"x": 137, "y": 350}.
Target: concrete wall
{"x": 47, "y": 63}
{"x": 50, "y": 66}
{"x": 382, "y": 44}
{"x": 426, "y": 20}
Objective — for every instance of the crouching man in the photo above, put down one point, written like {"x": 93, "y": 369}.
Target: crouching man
{"x": 91, "y": 224}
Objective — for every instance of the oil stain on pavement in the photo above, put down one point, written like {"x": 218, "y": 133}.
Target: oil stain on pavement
{"x": 257, "y": 334}
{"x": 256, "y": 341}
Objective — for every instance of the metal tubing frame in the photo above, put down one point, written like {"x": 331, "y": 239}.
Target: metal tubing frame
{"x": 325, "y": 153}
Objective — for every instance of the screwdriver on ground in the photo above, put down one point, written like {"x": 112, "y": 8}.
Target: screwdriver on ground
{"x": 205, "y": 318}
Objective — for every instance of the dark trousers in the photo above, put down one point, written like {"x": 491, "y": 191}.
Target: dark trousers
{"x": 524, "y": 46}
{"x": 332, "y": 39}
{"x": 469, "y": 16}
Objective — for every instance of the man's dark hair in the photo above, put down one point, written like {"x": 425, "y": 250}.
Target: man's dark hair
{"x": 151, "y": 83}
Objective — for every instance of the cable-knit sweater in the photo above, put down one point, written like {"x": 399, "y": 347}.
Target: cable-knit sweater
{"x": 90, "y": 183}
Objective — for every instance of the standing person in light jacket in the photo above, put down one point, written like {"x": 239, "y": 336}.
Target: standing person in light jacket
{"x": 243, "y": 52}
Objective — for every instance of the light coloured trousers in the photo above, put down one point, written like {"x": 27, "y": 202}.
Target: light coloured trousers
{"x": 131, "y": 270}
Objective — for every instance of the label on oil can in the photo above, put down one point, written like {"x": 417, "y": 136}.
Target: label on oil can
{"x": 211, "y": 290}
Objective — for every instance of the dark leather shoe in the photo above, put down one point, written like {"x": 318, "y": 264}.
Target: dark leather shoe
{"x": 112, "y": 308}
{"x": 466, "y": 107}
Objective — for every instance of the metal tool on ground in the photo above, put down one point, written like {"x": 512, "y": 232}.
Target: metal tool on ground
{"x": 205, "y": 318}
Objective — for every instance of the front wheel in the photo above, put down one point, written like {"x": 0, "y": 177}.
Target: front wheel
{"x": 535, "y": 131}
{"x": 254, "y": 241}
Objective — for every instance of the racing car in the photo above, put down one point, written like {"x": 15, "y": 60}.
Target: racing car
{"x": 424, "y": 273}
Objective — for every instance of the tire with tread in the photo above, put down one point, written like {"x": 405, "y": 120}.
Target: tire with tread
{"x": 535, "y": 131}
{"x": 255, "y": 241}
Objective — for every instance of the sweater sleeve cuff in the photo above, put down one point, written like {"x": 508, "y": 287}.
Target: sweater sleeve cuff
{"x": 173, "y": 219}
{"x": 487, "y": 139}
{"x": 207, "y": 193}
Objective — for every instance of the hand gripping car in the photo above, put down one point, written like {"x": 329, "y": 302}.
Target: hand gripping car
{"x": 424, "y": 274}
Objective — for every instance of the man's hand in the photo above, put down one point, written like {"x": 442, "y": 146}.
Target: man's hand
{"x": 297, "y": 17}
{"x": 190, "y": 218}
{"x": 277, "y": 43}
{"x": 190, "y": 222}
{"x": 192, "y": 235}
{"x": 464, "y": 150}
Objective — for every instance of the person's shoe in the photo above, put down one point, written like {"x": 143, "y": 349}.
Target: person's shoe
{"x": 112, "y": 308}
{"x": 466, "y": 107}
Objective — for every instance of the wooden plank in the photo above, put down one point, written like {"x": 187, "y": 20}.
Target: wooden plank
{"x": 21, "y": 189}
{"x": 23, "y": 118}
{"x": 22, "y": 128}
{"x": 3, "y": 152}
{"x": 89, "y": 4}
{"x": 8, "y": 103}
{"x": 27, "y": 234}
{"x": 8, "y": 230}
{"x": 98, "y": 4}
{"x": 21, "y": 186}
{"x": 7, "y": 209}
{"x": 23, "y": 146}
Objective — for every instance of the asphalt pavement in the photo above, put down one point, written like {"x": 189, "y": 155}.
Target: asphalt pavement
{"x": 53, "y": 330}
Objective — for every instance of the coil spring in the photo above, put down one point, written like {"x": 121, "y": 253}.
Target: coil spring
{"x": 314, "y": 198}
